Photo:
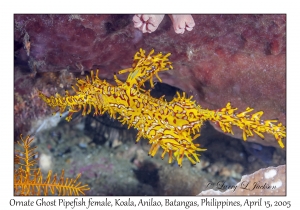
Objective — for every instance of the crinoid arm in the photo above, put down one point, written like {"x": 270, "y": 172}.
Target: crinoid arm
{"x": 28, "y": 179}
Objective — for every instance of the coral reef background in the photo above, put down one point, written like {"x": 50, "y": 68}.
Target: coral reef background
{"x": 236, "y": 58}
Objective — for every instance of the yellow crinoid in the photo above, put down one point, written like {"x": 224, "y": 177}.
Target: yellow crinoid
{"x": 28, "y": 179}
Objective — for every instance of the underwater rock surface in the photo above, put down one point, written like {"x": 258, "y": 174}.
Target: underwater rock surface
{"x": 236, "y": 58}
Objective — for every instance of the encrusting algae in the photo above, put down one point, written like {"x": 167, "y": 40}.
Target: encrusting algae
{"x": 170, "y": 125}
